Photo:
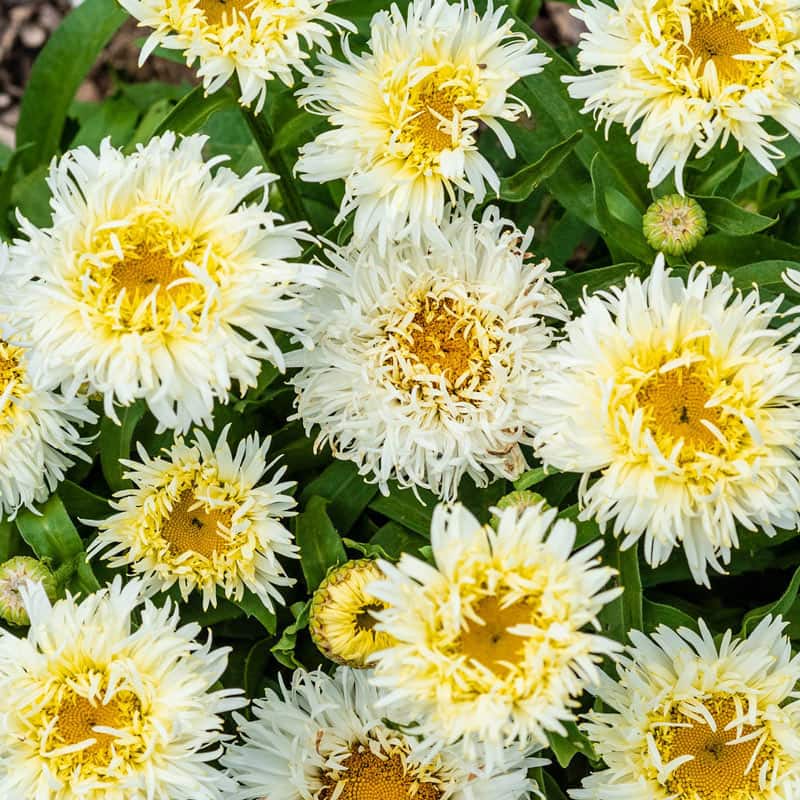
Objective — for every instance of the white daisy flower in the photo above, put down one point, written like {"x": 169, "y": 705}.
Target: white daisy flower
{"x": 491, "y": 647}
{"x": 406, "y": 113}
{"x": 255, "y": 40}
{"x": 156, "y": 279}
{"x": 325, "y": 738}
{"x": 199, "y": 518}
{"x": 690, "y": 720}
{"x": 424, "y": 355}
{"x": 93, "y": 708}
{"x": 686, "y": 401}
{"x": 39, "y": 427}
{"x": 687, "y": 75}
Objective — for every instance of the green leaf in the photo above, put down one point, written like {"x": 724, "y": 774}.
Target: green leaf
{"x": 655, "y": 614}
{"x": 766, "y": 276}
{"x": 730, "y": 218}
{"x": 565, "y": 747}
{"x": 8, "y": 540}
{"x": 254, "y": 667}
{"x": 295, "y": 131}
{"x": 81, "y": 503}
{"x": 253, "y": 607}
{"x": 58, "y": 72}
{"x": 192, "y": 111}
{"x": 573, "y": 286}
{"x": 552, "y": 791}
{"x": 394, "y": 540}
{"x": 349, "y": 494}
{"x": 727, "y": 251}
{"x": 620, "y": 223}
{"x": 401, "y": 506}
{"x": 115, "y": 443}
{"x": 522, "y": 184}
{"x": 283, "y": 649}
{"x": 52, "y": 535}
{"x": 626, "y": 612}
{"x": 530, "y": 478}
{"x": 7, "y": 180}
{"x": 367, "y": 549}
{"x": 779, "y": 608}
{"x": 115, "y": 118}
{"x": 320, "y": 545}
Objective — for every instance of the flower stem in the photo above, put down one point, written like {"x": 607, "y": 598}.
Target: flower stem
{"x": 275, "y": 162}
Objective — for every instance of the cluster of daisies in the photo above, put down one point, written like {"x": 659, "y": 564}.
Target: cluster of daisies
{"x": 430, "y": 347}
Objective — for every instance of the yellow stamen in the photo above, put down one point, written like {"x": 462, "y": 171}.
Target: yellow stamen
{"x": 676, "y": 404}
{"x": 720, "y": 769}
{"x": 717, "y": 39}
{"x": 368, "y": 776}
{"x": 77, "y": 716}
{"x": 220, "y": 12}
{"x": 491, "y": 643}
{"x": 191, "y": 527}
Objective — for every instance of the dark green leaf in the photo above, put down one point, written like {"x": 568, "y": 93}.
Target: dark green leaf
{"x": 115, "y": 443}
{"x": 81, "y": 503}
{"x": 320, "y": 545}
{"x": 253, "y": 607}
{"x": 52, "y": 535}
{"x": 7, "y": 179}
{"x": 58, "y": 72}
{"x": 521, "y": 185}
{"x": 401, "y": 506}
{"x": 565, "y": 747}
{"x": 192, "y": 111}
{"x": 530, "y": 478}
{"x": 254, "y": 666}
{"x": 283, "y": 649}
{"x": 348, "y": 492}
{"x": 727, "y": 217}
{"x": 8, "y": 540}
{"x": 393, "y": 540}
{"x": 780, "y": 607}
{"x": 655, "y": 614}
{"x": 726, "y": 251}
{"x": 625, "y": 613}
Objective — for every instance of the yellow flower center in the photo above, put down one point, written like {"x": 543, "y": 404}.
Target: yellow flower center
{"x": 220, "y": 12}
{"x": 12, "y": 381}
{"x": 364, "y": 620}
{"x": 676, "y": 404}
{"x": 451, "y": 339}
{"x": 144, "y": 281}
{"x": 77, "y": 719}
{"x": 434, "y": 118}
{"x": 191, "y": 527}
{"x": 490, "y": 642}
{"x": 726, "y": 762}
{"x": 717, "y": 39}
{"x": 370, "y": 776}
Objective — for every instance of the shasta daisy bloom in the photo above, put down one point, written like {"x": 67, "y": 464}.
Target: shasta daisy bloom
{"x": 341, "y": 620}
{"x": 491, "y": 642}
{"x": 687, "y": 403}
{"x": 156, "y": 279}
{"x": 95, "y": 708}
{"x": 690, "y": 720}
{"x": 406, "y": 113}
{"x": 324, "y": 737}
{"x": 255, "y": 40}
{"x": 687, "y": 75}
{"x": 39, "y": 427}
{"x": 198, "y": 517}
{"x": 424, "y": 355}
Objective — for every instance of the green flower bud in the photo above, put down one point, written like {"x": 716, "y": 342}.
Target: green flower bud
{"x": 14, "y": 574}
{"x": 520, "y": 500}
{"x": 674, "y": 224}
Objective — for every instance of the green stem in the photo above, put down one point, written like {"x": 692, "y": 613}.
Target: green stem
{"x": 275, "y": 162}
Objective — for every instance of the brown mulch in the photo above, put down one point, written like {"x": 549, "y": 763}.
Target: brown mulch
{"x": 25, "y": 26}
